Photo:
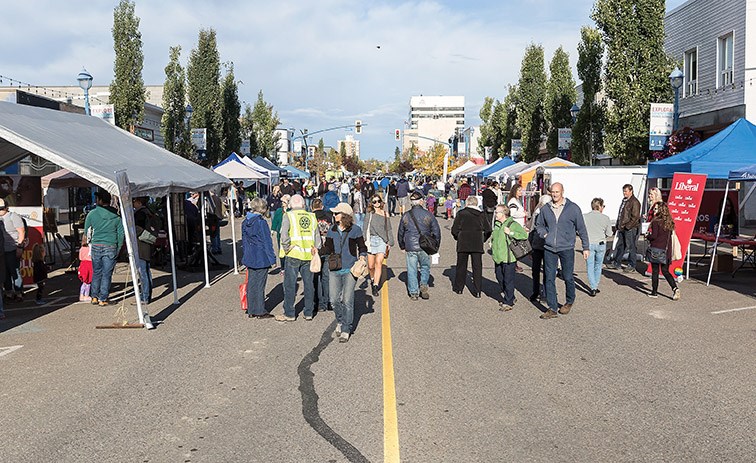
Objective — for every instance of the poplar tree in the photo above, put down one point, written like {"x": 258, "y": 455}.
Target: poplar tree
{"x": 230, "y": 112}
{"x": 560, "y": 96}
{"x": 203, "y": 77}
{"x": 176, "y": 134}
{"x": 485, "y": 137}
{"x": 590, "y": 121}
{"x": 127, "y": 93}
{"x": 262, "y": 122}
{"x": 510, "y": 130}
{"x": 637, "y": 70}
{"x": 531, "y": 92}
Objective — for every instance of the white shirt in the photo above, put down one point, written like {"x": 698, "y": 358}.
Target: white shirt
{"x": 517, "y": 211}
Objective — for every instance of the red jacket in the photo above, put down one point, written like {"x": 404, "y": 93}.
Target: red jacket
{"x": 464, "y": 191}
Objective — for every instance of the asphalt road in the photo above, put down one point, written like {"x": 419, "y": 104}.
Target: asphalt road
{"x": 621, "y": 378}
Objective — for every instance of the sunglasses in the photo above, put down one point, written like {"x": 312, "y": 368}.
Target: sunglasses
{"x": 377, "y": 201}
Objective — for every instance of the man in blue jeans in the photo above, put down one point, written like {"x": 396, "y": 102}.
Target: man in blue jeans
{"x": 558, "y": 223}
{"x": 408, "y": 237}
{"x": 104, "y": 230}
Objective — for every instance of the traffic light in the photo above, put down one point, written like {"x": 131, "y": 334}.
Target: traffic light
{"x": 397, "y": 135}
{"x": 358, "y": 127}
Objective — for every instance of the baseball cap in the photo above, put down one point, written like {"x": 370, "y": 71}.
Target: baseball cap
{"x": 2, "y": 204}
{"x": 416, "y": 195}
{"x": 343, "y": 208}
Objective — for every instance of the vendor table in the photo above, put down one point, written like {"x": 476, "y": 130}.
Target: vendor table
{"x": 747, "y": 248}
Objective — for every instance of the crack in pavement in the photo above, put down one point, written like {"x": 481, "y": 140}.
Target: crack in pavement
{"x": 310, "y": 400}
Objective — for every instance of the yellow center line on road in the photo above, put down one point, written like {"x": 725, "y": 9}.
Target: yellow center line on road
{"x": 390, "y": 421}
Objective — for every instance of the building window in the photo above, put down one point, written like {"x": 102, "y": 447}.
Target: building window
{"x": 691, "y": 73}
{"x": 725, "y": 60}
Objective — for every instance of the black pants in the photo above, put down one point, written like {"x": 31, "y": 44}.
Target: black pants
{"x": 392, "y": 204}
{"x": 460, "y": 277}
{"x": 626, "y": 242}
{"x": 664, "y": 268}
{"x": 537, "y": 257}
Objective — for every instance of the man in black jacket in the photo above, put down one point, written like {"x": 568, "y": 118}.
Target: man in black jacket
{"x": 408, "y": 238}
{"x": 490, "y": 201}
{"x": 470, "y": 229}
{"x": 628, "y": 227}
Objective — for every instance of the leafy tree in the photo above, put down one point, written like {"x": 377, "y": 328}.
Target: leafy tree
{"x": 321, "y": 146}
{"x": 531, "y": 92}
{"x": 509, "y": 119}
{"x": 485, "y": 137}
{"x": 560, "y": 96}
{"x": 636, "y": 72}
{"x": 589, "y": 126}
{"x": 433, "y": 161}
{"x": 230, "y": 112}
{"x": 397, "y": 152}
{"x": 175, "y": 131}
{"x": 260, "y": 124}
{"x": 203, "y": 77}
{"x": 127, "y": 93}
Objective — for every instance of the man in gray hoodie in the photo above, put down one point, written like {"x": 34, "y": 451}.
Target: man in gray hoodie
{"x": 557, "y": 224}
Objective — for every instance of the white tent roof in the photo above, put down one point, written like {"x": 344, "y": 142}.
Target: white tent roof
{"x": 237, "y": 170}
{"x": 467, "y": 165}
{"x": 510, "y": 170}
{"x": 94, "y": 149}
{"x": 269, "y": 173}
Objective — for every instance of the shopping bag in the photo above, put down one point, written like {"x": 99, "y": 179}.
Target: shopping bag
{"x": 315, "y": 266}
{"x": 243, "y": 291}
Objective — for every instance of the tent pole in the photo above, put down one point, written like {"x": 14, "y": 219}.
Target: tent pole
{"x": 719, "y": 229}
{"x": 134, "y": 272}
{"x": 169, "y": 213}
{"x": 204, "y": 242}
{"x": 232, "y": 200}
{"x": 687, "y": 268}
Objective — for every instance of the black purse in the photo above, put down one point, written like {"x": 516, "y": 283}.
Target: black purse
{"x": 334, "y": 260}
{"x": 656, "y": 255}
{"x": 520, "y": 248}
{"x": 428, "y": 243}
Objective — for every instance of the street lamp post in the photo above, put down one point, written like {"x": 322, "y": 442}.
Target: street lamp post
{"x": 85, "y": 82}
{"x": 676, "y": 80}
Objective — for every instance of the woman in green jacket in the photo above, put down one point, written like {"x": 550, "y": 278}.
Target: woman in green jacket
{"x": 275, "y": 224}
{"x": 505, "y": 229}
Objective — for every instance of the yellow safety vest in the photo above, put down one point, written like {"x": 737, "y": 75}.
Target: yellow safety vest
{"x": 302, "y": 228}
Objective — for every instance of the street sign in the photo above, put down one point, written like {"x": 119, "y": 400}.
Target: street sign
{"x": 103, "y": 111}
{"x": 245, "y": 150}
{"x": 516, "y": 149}
{"x": 358, "y": 127}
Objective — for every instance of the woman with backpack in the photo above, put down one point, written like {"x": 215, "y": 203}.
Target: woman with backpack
{"x": 505, "y": 229}
{"x": 659, "y": 252}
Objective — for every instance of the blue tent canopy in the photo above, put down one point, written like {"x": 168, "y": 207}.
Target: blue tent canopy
{"x": 296, "y": 173}
{"x": 263, "y": 162}
{"x": 730, "y": 149}
{"x": 233, "y": 157}
{"x": 495, "y": 167}
{"x": 744, "y": 173}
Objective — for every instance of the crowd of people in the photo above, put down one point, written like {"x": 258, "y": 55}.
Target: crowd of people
{"x": 331, "y": 235}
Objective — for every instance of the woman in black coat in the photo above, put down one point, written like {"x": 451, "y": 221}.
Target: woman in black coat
{"x": 470, "y": 230}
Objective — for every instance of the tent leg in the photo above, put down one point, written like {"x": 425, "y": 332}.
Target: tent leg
{"x": 687, "y": 268}
{"x": 204, "y": 242}
{"x": 233, "y": 230}
{"x": 144, "y": 318}
{"x": 719, "y": 229}
{"x": 169, "y": 213}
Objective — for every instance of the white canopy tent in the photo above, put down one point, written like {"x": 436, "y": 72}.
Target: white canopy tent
{"x": 503, "y": 174}
{"x": 469, "y": 165}
{"x": 96, "y": 150}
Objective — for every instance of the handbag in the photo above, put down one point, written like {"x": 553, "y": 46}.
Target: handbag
{"x": 315, "y": 264}
{"x": 359, "y": 269}
{"x": 520, "y": 248}
{"x": 428, "y": 243}
{"x": 385, "y": 225}
{"x": 656, "y": 255}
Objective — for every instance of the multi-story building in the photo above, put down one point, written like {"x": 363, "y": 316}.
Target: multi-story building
{"x": 434, "y": 117}
{"x": 714, "y": 41}
{"x": 351, "y": 146}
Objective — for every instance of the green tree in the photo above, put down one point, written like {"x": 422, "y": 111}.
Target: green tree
{"x": 321, "y": 146}
{"x": 531, "y": 92}
{"x": 127, "y": 93}
{"x": 636, "y": 72}
{"x": 509, "y": 119}
{"x": 397, "y": 152}
{"x": 342, "y": 151}
{"x": 203, "y": 77}
{"x": 560, "y": 96}
{"x": 485, "y": 137}
{"x": 589, "y": 126}
{"x": 175, "y": 131}
{"x": 262, "y": 122}
{"x": 230, "y": 112}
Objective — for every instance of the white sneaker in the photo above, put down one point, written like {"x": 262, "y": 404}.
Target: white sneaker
{"x": 344, "y": 337}
{"x": 338, "y": 330}
{"x": 676, "y": 294}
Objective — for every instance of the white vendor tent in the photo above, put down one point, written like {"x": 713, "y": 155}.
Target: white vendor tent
{"x": 469, "y": 165}
{"x": 232, "y": 167}
{"x": 97, "y": 151}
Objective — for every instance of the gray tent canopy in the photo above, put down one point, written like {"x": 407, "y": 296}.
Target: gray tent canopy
{"x": 94, "y": 149}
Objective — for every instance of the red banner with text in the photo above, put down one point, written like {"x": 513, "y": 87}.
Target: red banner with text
{"x": 684, "y": 201}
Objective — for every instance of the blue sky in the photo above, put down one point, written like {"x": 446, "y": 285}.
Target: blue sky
{"x": 317, "y": 62}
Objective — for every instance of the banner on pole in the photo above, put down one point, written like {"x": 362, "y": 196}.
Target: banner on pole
{"x": 684, "y": 202}
{"x": 660, "y": 125}
{"x": 516, "y": 148}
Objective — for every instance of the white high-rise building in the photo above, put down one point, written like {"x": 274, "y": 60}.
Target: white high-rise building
{"x": 436, "y": 117}
{"x": 351, "y": 146}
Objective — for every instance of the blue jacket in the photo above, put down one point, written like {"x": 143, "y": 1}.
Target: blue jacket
{"x": 560, "y": 235}
{"x": 257, "y": 247}
{"x": 408, "y": 236}
{"x": 402, "y": 188}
